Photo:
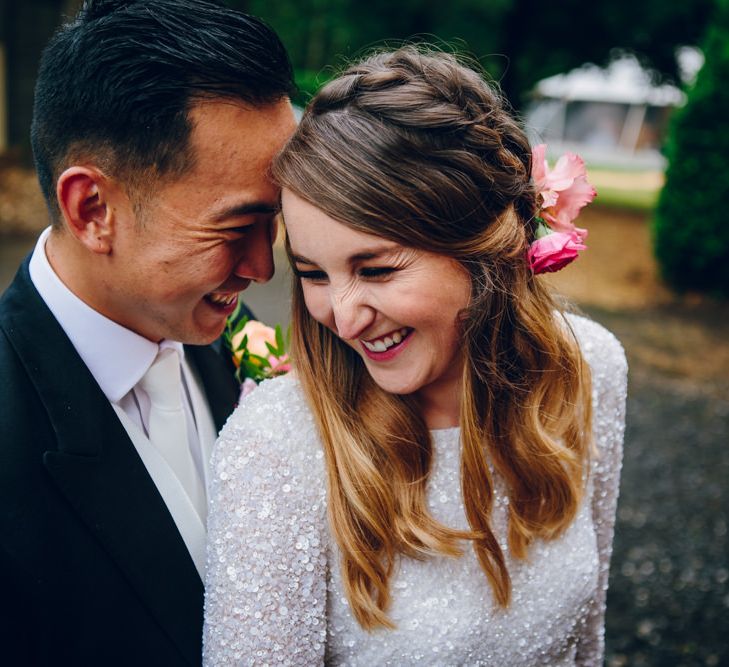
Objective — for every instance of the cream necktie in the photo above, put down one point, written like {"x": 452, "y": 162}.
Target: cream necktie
{"x": 168, "y": 424}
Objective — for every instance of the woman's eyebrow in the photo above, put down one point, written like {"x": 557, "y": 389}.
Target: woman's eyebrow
{"x": 374, "y": 253}
{"x": 300, "y": 259}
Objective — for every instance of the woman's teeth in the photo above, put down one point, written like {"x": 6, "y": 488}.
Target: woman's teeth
{"x": 383, "y": 344}
{"x": 222, "y": 299}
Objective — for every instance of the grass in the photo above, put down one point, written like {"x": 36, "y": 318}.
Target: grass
{"x": 630, "y": 190}
{"x": 642, "y": 201}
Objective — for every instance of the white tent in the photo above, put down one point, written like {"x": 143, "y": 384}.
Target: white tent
{"x": 613, "y": 116}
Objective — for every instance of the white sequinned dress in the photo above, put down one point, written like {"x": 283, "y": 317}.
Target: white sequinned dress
{"x": 274, "y": 593}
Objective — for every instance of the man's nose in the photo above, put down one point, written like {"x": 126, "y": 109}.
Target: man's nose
{"x": 352, "y": 316}
{"x": 256, "y": 260}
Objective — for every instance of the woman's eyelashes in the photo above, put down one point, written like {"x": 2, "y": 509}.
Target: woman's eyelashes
{"x": 367, "y": 273}
{"x": 376, "y": 271}
{"x": 317, "y": 276}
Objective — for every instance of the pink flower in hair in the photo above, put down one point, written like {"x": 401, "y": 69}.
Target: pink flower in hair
{"x": 563, "y": 191}
{"x": 554, "y": 251}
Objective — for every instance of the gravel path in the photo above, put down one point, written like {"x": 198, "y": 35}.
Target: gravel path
{"x": 668, "y": 602}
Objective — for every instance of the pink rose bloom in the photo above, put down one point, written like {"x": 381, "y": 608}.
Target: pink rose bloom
{"x": 258, "y": 335}
{"x": 564, "y": 190}
{"x": 554, "y": 251}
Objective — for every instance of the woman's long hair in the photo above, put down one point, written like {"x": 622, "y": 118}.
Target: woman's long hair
{"x": 414, "y": 147}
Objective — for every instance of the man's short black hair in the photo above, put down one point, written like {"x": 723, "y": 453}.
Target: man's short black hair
{"x": 116, "y": 83}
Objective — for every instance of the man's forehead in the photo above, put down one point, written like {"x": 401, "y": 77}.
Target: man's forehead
{"x": 243, "y": 135}
{"x": 204, "y": 111}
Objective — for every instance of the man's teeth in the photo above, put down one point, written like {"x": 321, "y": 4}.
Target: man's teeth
{"x": 387, "y": 342}
{"x": 223, "y": 299}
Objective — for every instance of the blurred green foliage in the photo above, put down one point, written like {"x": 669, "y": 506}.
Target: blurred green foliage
{"x": 639, "y": 200}
{"x": 308, "y": 82}
{"x": 517, "y": 41}
{"x": 691, "y": 233}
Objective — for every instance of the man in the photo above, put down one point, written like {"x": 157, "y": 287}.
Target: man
{"x": 154, "y": 125}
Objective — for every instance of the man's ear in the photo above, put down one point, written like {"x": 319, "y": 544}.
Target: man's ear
{"x": 83, "y": 194}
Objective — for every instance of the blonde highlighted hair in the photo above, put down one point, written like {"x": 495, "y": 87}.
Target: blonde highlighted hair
{"x": 414, "y": 147}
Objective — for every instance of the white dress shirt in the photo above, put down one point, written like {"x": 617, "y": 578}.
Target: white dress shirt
{"x": 118, "y": 358}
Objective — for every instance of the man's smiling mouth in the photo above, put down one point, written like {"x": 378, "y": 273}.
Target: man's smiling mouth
{"x": 222, "y": 299}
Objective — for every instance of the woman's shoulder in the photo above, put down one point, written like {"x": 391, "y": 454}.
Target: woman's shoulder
{"x": 276, "y": 402}
{"x": 273, "y": 418}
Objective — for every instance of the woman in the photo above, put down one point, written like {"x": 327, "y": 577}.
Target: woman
{"x": 437, "y": 483}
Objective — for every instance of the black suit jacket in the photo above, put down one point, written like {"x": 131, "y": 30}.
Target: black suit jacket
{"x": 92, "y": 568}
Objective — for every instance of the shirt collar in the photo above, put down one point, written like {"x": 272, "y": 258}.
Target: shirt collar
{"x": 116, "y": 356}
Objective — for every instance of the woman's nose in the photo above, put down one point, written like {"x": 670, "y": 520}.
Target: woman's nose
{"x": 352, "y": 316}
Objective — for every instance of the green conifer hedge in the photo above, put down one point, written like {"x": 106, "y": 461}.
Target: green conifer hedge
{"x": 691, "y": 226}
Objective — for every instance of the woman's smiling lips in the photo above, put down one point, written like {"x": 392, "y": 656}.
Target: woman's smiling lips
{"x": 384, "y": 348}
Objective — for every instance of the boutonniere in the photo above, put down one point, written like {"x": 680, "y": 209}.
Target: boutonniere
{"x": 258, "y": 351}
{"x": 563, "y": 192}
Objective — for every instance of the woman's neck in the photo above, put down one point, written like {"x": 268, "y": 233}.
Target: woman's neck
{"x": 441, "y": 404}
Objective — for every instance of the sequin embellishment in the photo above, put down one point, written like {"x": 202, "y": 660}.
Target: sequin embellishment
{"x": 274, "y": 593}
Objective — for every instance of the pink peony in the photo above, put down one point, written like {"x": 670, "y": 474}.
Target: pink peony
{"x": 554, "y": 251}
{"x": 258, "y": 335}
{"x": 564, "y": 190}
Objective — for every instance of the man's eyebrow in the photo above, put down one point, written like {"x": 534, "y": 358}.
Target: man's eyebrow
{"x": 253, "y": 208}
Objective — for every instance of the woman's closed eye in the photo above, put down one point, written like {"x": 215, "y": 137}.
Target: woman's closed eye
{"x": 312, "y": 274}
{"x": 368, "y": 273}
{"x": 376, "y": 271}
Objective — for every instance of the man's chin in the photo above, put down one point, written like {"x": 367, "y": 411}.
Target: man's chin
{"x": 200, "y": 336}
{"x": 197, "y": 332}
{"x": 207, "y": 323}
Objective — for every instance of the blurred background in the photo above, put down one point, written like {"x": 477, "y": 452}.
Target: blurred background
{"x": 639, "y": 88}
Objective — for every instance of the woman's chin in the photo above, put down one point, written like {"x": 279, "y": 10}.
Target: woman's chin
{"x": 395, "y": 385}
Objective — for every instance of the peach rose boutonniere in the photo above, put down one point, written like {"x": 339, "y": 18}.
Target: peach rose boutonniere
{"x": 563, "y": 192}
{"x": 258, "y": 351}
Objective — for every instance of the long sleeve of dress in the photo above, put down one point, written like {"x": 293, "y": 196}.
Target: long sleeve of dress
{"x": 266, "y": 568}
{"x": 609, "y": 389}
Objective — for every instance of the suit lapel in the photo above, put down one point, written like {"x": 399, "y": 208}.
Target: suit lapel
{"x": 100, "y": 473}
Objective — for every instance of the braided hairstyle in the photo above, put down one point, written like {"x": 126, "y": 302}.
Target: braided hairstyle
{"x": 414, "y": 147}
